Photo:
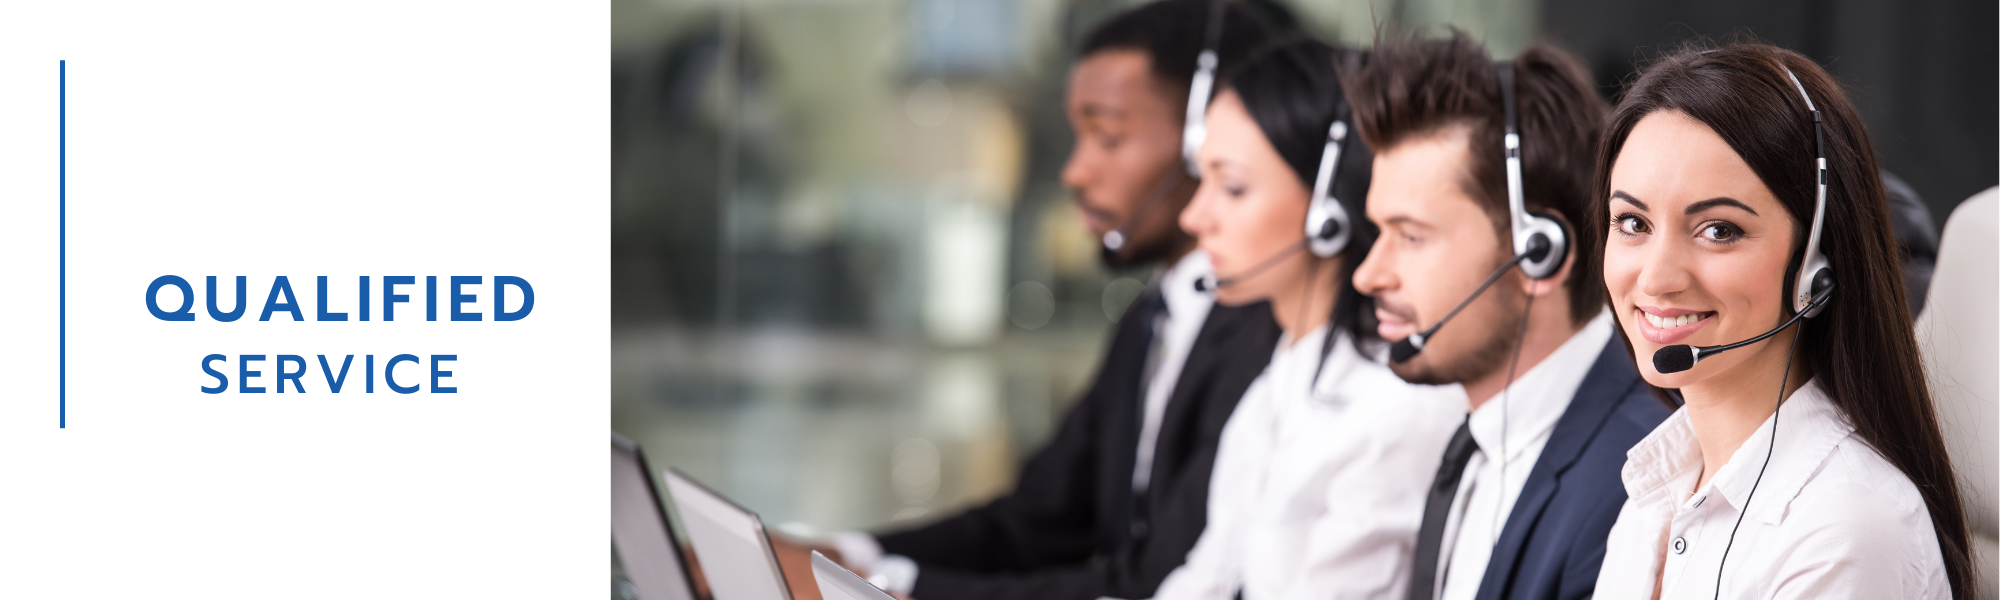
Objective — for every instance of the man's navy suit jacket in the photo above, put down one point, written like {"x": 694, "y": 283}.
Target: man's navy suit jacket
{"x": 1553, "y": 543}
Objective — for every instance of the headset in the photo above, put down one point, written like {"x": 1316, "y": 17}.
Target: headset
{"x": 1194, "y": 130}
{"x": 1327, "y": 223}
{"x": 1328, "y": 226}
{"x": 1541, "y": 243}
{"x": 1807, "y": 301}
{"x": 1813, "y": 286}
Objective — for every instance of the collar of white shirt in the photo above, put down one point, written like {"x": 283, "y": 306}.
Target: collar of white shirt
{"x": 1664, "y": 466}
{"x": 1529, "y": 408}
{"x": 1295, "y": 364}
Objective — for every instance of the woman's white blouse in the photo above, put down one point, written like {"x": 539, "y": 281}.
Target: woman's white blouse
{"x": 1318, "y": 490}
{"x": 1831, "y": 518}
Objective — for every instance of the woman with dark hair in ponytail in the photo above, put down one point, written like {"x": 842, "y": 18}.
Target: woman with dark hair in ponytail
{"x": 1740, "y": 190}
{"x": 1321, "y": 472}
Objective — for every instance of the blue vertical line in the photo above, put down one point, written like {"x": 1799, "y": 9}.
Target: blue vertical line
{"x": 62, "y": 237}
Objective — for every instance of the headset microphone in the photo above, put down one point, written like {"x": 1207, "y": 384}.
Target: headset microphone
{"x": 1540, "y": 243}
{"x": 1405, "y": 349}
{"x": 1815, "y": 280}
{"x": 1209, "y": 283}
{"x": 1115, "y": 240}
{"x": 1681, "y": 357}
{"x": 1328, "y": 226}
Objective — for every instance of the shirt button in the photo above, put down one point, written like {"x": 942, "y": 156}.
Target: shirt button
{"x": 1680, "y": 545}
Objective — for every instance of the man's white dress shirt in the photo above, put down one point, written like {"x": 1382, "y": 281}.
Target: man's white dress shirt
{"x": 1174, "y": 332}
{"x": 1831, "y": 518}
{"x": 1173, "y": 337}
{"x": 1319, "y": 485}
{"x": 1510, "y": 430}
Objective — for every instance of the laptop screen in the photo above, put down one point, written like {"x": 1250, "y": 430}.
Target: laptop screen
{"x": 729, "y": 543}
{"x": 838, "y": 583}
{"x": 640, "y": 532}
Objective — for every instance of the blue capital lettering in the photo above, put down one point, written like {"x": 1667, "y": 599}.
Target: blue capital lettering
{"x": 184, "y": 313}
{"x": 389, "y": 295}
{"x": 458, "y": 299}
{"x": 500, "y": 285}
{"x": 323, "y": 315}
{"x": 282, "y": 287}
{"x": 243, "y": 373}
{"x": 438, "y": 360}
{"x": 333, "y": 383}
{"x": 389, "y": 373}
{"x": 221, "y": 381}
{"x": 292, "y": 376}
{"x": 215, "y": 312}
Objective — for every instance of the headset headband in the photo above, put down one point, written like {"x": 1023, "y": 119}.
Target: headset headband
{"x": 1327, "y": 223}
{"x": 1815, "y": 264}
{"x": 1195, "y": 128}
{"x": 1540, "y": 259}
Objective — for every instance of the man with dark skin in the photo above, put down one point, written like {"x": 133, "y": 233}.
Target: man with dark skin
{"x": 1125, "y": 174}
{"x": 1115, "y": 501}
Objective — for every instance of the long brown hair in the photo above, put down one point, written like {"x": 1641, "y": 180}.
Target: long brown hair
{"x": 1861, "y": 348}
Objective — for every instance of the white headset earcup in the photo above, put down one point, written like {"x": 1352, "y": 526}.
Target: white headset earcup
{"x": 1802, "y": 288}
{"x": 1194, "y": 131}
{"x": 1558, "y": 247}
{"x": 1322, "y": 211}
{"x": 1323, "y": 208}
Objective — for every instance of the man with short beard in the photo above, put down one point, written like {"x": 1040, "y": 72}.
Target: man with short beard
{"x": 1528, "y": 488}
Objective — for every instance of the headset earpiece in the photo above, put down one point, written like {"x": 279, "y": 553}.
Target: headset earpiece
{"x": 1544, "y": 249}
{"x": 1328, "y": 226}
{"x": 1545, "y": 245}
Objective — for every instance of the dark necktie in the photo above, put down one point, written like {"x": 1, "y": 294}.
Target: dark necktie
{"x": 1437, "y": 509}
{"x": 1146, "y": 310}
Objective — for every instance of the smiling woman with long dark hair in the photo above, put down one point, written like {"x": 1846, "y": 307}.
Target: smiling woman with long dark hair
{"x": 1709, "y": 178}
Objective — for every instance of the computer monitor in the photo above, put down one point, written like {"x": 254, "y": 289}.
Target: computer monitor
{"x": 640, "y": 530}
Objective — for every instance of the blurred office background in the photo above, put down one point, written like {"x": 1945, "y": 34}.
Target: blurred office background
{"x": 848, "y": 289}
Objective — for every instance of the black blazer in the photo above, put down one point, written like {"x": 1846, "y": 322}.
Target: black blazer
{"x": 1071, "y": 528}
{"x": 1553, "y": 543}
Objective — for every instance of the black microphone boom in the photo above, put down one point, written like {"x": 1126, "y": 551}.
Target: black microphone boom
{"x": 1209, "y": 283}
{"x": 1681, "y": 357}
{"x": 1405, "y": 349}
{"x": 1113, "y": 248}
